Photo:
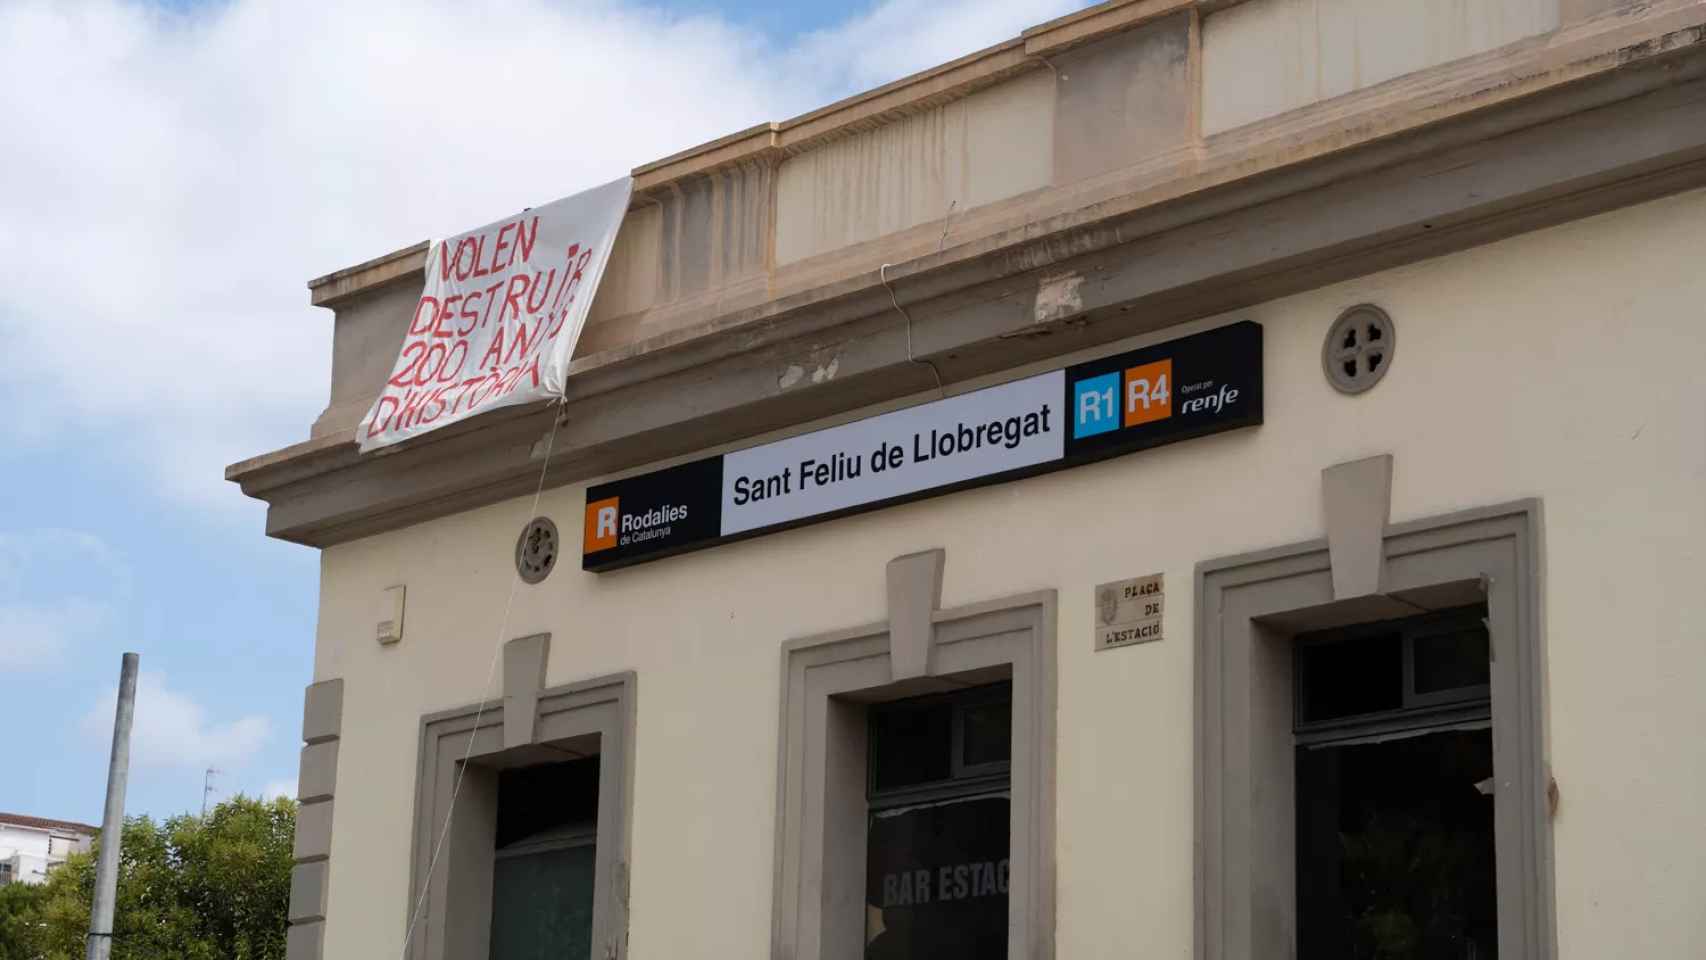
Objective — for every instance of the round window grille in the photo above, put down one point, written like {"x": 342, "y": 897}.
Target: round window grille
{"x": 1359, "y": 348}
{"x": 536, "y": 550}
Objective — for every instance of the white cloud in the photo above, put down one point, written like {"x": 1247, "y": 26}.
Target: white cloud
{"x": 57, "y": 588}
{"x": 170, "y": 180}
{"x": 36, "y": 635}
{"x": 170, "y": 729}
{"x": 279, "y": 788}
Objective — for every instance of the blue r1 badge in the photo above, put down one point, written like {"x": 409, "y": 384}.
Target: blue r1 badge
{"x": 1095, "y": 405}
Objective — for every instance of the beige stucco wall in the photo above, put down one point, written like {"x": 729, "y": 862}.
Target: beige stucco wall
{"x": 1265, "y": 57}
{"x": 631, "y": 279}
{"x": 986, "y": 147}
{"x": 1563, "y": 364}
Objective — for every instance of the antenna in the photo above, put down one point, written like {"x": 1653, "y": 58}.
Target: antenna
{"x": 207, "y": 788}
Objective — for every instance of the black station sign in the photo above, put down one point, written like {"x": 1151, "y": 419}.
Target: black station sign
{"x": 1190, "y": 387}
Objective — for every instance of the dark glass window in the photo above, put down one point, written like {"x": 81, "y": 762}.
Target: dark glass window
{"x": 936, "y": 867}
{"x": 1349, "y": 677}
{"x": 1394, "y": 804}
{"x": 1387, "y": 670}
{"x": 542, "y": 879}
{"x": 1395, "y": 850}
{"x": 988, "y": 737}
{"x": 534, "y": 800}
{"x": 912, "y": 745}
{"x": 542, "y": 905}
{"x": 1452, "y": 660}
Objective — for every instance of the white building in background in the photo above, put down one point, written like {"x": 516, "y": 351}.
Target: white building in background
{"x": 32, "y": 846}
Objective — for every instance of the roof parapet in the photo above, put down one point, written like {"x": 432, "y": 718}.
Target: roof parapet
{"x": 920, "y": 91}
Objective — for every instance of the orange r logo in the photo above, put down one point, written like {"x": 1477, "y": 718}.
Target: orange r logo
{"x": 601, "y": 523}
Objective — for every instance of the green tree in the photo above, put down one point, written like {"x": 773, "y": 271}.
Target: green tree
{"x": 192, "y": 888}
{"x": 21, "y": 933}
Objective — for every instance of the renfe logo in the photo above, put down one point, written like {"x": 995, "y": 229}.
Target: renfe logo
{"x": 601, "y": 524}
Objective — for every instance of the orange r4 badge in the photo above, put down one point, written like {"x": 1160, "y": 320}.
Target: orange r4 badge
{"x": 601, "y": 523}
{"x": 1149, "y": 392}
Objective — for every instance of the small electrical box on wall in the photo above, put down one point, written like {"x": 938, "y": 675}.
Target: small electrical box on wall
{"x": 390, "y": 626}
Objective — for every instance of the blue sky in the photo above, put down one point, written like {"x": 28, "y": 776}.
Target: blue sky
{"x": 780, "y": 20}
{"x": 172, "y": 177}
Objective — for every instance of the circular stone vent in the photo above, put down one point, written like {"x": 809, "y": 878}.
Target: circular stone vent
{"x": 1359, "y": 348}
{"x": 536, "y": 550}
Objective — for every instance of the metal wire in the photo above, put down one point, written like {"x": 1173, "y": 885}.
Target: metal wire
{"x": 883, "y": 275}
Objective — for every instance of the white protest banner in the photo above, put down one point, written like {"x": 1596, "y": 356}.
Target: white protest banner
{"x": 500, "y": 315}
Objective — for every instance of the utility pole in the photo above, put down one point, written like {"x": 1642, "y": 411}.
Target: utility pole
{"x": 207, "y": 788}
{"x": 100, "y": 945}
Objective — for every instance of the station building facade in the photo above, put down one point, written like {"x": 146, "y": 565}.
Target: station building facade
{"x": 1200, "y": 479}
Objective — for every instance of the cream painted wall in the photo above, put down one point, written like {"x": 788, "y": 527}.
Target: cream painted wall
{"x": 1564, "y": 364}
{"x": 632, "y": 279}
{"x": 986, "y": 147}
{"x": 1265, "y": 57}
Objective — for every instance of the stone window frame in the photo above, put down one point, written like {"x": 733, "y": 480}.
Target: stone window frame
{"x": 531, "y": 725}
{"x": 827, "y": 680}
{"x": 1248, "y": 609}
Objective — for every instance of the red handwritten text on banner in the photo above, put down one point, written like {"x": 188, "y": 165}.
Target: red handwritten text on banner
{"x": 499, "y": 317}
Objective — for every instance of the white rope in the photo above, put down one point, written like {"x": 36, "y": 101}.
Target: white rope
{"x": 485, "y": 698}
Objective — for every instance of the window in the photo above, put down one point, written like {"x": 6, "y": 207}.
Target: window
{"x": 5, "y": 872}
{"x": 1338, "y": 732}
{"x": 1394, "y": 761}
{"x": 534, "y": 861}
{"x": 937, "y": 842}
{"x": 1398, "y": 675}
{"x": 912, "y": 745}
{"x": 542, "y": 874}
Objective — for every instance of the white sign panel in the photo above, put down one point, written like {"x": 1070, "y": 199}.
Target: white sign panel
{"x": 921, "y": 448}
{"x": 500, "y": 315}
